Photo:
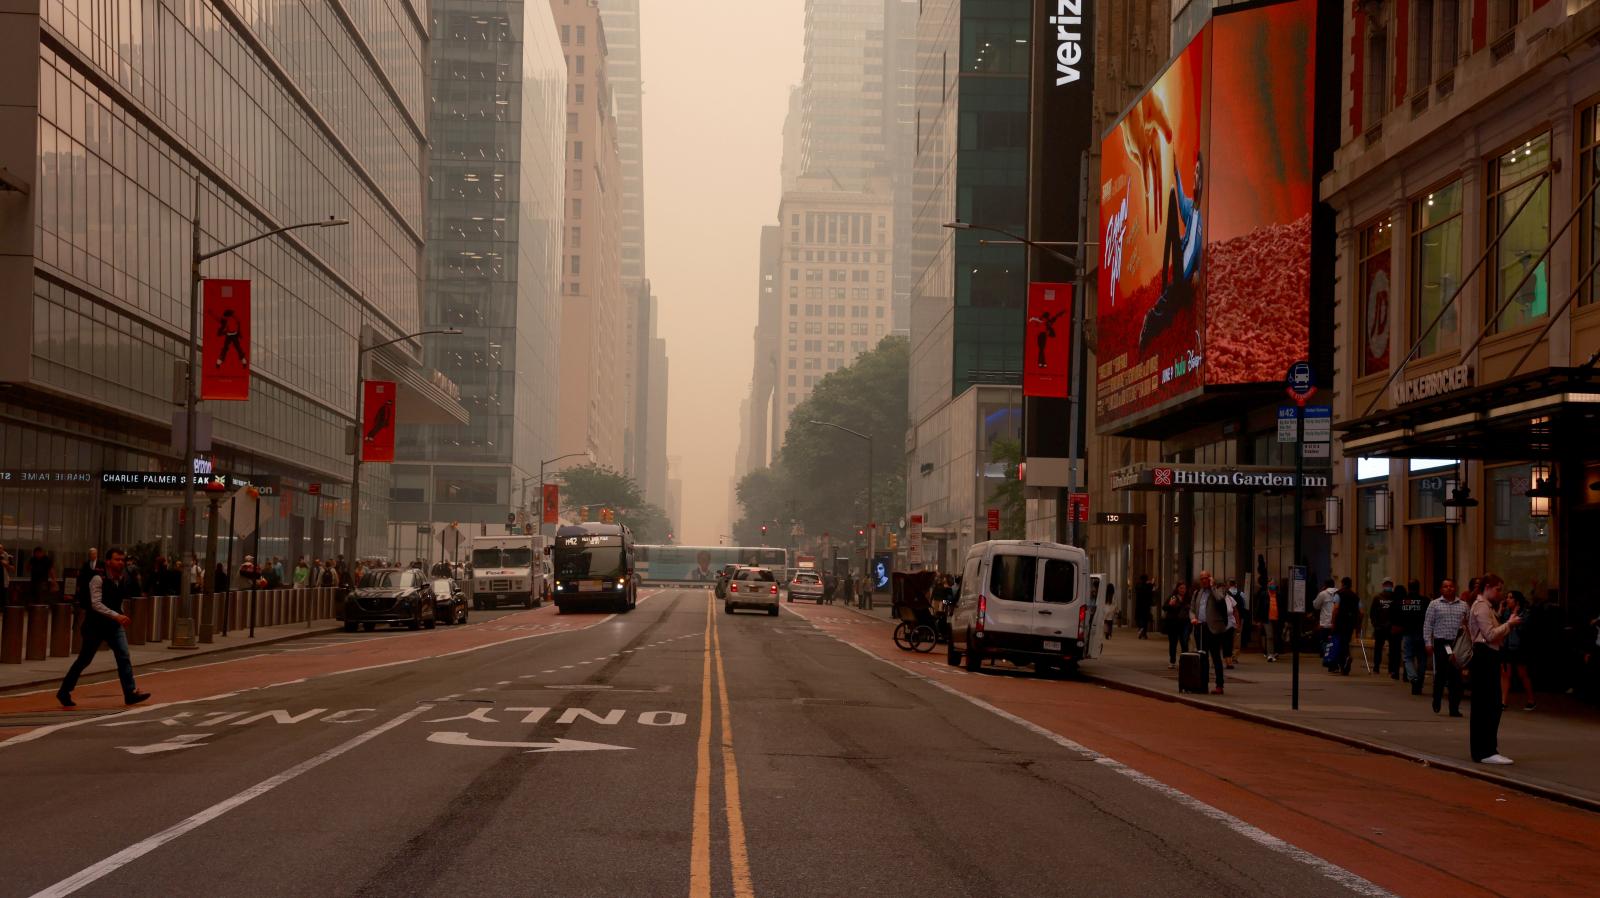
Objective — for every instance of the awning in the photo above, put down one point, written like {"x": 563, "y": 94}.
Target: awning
{"x": 1513, "y": 420}
{"x": 419, "y": 400}
{"x": 1179, "y": 477}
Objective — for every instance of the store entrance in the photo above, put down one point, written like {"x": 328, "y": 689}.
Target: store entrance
{"x": 1432, "y": 556}
{"x": 133, "y": 519}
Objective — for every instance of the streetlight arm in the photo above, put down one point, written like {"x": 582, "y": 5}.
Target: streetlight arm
{"x": 854, "y": 433}
{"x": 1034, "y": 244}
{"x": 446, "y": 330}
{"x": 329, "y": 223}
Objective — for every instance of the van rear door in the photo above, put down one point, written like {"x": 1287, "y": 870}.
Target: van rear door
{"x": 1011, "y": 589}
{"x": 1056, "y": 622}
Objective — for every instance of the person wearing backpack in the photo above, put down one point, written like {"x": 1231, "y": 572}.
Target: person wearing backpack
{"x": 103, "y": 622}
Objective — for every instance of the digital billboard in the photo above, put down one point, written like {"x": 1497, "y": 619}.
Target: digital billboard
{"x": 1205, "y": 212}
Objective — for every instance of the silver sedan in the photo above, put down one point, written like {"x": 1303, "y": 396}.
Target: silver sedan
{"x": 806, "y": 585}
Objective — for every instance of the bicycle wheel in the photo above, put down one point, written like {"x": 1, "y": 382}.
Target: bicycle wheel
{"x": 903, "y": 637}
{"x": 924, "y": 639}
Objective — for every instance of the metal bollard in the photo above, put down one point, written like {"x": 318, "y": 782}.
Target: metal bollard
{"x": 11, "y": 634}
{"x": 60, "y": 630}
{"x": 135, "y": 612}
{"x": 38, "y": 645}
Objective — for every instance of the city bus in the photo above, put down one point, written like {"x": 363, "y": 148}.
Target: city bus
{"x": 595, "y": 568}
{"x": 700, "y": 564}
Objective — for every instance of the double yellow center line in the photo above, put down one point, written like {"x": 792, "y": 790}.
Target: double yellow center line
{"x": 700, "y": 842}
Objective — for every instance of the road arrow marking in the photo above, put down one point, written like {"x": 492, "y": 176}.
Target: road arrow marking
{"x": 532, "y": 747}
{"x": 180, "y": 741}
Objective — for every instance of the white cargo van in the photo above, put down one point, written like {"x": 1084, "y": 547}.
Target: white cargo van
{"x": 1028, "y": 603}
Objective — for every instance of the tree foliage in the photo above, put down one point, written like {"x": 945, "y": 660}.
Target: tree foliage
{"x": 1008, "y": 496}
{"x": 820, "y": 477}
{"x": 595, "y": 487}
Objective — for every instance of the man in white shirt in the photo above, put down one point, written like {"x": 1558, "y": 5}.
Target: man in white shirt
{"x": 1325, "y": 604}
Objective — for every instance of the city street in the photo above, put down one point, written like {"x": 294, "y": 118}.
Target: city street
{"x": 678, "y": 750}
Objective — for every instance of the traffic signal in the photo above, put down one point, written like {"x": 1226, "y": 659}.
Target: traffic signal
{"x": 607, "y": 516}
{"x": 583, "y": 513}
{"x": 763, "y": 529}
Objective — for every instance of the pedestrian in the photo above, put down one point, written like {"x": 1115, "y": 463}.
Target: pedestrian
{"x": 272, "y": 573}
{"x": 219, "y": 578}
{"x": 1378, "y": 614}
{"x": 8, "y": 570}
{"x": 41, "y": 575}
{"x": 248, "y": 573}
{"x": 849, "y": 590}
{"x": 1488, "y": 635}
{"x": 1212, "y": 604}
{"x": 1346, "y": 624}
{"x": 1269, "y": 629}
{"x": 1144, "y": 602}
{"x": 1175, "y": 621}
{"x": 103, "y": 622}
{"x": 302, "y": 573}
{"x": 1513, "y": 651}
{"x": 1235, "y": 631}
{"x": 157, "y": 581}
{"x": 1325, "y": 604}
{"x": 1241, "y": 621}
{"x": 88, "y": 571}
{"x": 330, "y": 577}
{"x": 1441, "y": 625}
{"x": 1410, "y": 612}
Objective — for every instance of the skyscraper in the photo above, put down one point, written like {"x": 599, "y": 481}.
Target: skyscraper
{"x": 842, "y": 136}
{"x": 494, "y": 242}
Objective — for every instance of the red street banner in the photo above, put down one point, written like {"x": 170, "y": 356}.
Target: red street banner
{"x": 994, "y": 520}
{"x": 1046, "y": 369}
{"x": 551, "y": 503}
{"x": 377, "y": 421}
{"x": 225, "y": 343}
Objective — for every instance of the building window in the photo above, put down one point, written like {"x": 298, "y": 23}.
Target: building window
{"x": 577, "y": 64}
{"x": 794, "y": 293}
{"x": 1377, "y": 62}
{"x": 1436, "y": 269}
{"x": 1449, "y": 36}
{"x": 1422, "y": 45}
{"x": 1589, "y": 218}
{"x": 566, "y": 33}
{"x": 1505, "y": 15}
{"x": 577, "y": 265}
{"x": 1512, "y": 178}
{"x": 577, "y": 94}
{"x": 577, "y": 237}
{"x": 577, "y": 179}
{"x": 794, "y": 308}
{"x": 794, "y": 327}
{"x": 1516, "y": 545}
{"x": 572, "y": 121}
{"x": 577, "y": 209}
{"x": 577, "y": 149}
{"x": 581, "y": 35}
{"x": 1375, "y": 308}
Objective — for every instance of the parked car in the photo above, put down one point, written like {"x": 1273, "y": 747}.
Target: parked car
{"x": 389, "y": 596}
{"x": 449, "y": 601}
{"x": 1028, "y": 603}
{"x": 724, "y": 577}
{"x": 752, "y": 587}
{"x": 806, "y": 585}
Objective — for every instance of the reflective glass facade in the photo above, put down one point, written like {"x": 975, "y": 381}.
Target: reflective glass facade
{"x": 282, "y": 115}
{"x": 494, "y": 255}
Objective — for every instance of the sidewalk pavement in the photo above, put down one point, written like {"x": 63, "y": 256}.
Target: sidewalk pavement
{"x": 50, "y": 671}
{"x": 1553, "y": 746}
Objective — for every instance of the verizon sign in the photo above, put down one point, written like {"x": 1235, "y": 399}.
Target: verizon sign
{"x": 1069, "y": 24}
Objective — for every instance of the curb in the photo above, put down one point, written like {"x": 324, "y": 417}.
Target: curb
{"x": 1434, "y": 761}
{"x": 221, "y": 651}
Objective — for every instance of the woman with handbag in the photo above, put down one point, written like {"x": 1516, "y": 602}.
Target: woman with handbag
{"x": 1488, "y": 635}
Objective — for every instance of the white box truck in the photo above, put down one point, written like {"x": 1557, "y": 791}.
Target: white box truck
{"x": 509, "y": 570}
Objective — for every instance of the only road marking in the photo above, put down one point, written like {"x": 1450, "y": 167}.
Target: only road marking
{"x": 532, "y": 747}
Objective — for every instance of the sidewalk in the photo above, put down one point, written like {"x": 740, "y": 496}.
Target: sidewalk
{"x": 1553, "y": 746}
{"x": 50, "y": 671}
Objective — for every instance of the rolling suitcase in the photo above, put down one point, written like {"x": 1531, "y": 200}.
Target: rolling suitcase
{"x": 1191, "y": 672}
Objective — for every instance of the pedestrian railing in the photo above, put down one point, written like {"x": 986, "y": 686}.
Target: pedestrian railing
{"x": 39, "y": 631}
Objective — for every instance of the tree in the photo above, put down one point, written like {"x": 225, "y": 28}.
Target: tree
{"x": 595, "y": 487}
{"x": 767, "y": 497}
{"x": 820, "y": 477}
{"x": 1008, "y": 496}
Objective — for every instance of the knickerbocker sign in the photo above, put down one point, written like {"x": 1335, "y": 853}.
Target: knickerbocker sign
{"x": 1212, "y": 478}
{"x": 1427, "y": 386}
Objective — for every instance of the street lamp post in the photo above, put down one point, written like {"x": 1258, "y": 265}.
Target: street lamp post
{"x": 542, "y": 463}
{"x": 872, "y": 531}
{"x": 1068, "y": 533}
{"x": 183, "y": 628}
{"x": 355, "y": 444}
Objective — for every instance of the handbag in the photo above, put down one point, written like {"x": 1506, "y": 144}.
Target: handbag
{"x": 1462, "y": 652}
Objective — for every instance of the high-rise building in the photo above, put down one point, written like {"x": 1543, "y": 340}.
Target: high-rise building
{"x": 967, "y": 299}
{"x": 789, "y": 166}
{"x": 494, "y": 251}
{"x": 122, "y": 122}
{"x": 596, "y": 362}
{"x": 833, "y": 284}
{"x": 899, "y": 117}
{"x": 758, "y": 439}
{"x": 842, "y": 92}
{"x": 625, "y": 74}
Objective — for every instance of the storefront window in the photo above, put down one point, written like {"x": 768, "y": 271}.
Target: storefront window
{"x": 1427, "y": 495}
{"x": 1374, "y": 279}
{"x": 1436, "y": 248}
{"x": 1513, "y": 177}
{"x": 1589, "y": 219}
{"x": 1372, "y": 544}
{"x": 1517, "y": 545}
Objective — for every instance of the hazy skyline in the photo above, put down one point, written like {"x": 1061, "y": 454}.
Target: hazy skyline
{"x": 716, "y": 79}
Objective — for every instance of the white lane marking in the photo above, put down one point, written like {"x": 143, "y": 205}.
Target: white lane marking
{"x": 1352, "y": 881}
{"x": 175, "y": 743}
{"x": 137, "y": 850}
{"x": 41, "y": 732}
{"x": 532, "y": 747}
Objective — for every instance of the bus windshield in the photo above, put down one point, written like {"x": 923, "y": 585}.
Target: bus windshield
{"x": 589, "y": 561}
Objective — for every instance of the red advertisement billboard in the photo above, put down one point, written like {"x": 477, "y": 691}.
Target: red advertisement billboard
{"x": 552, "y": 503}
{"x": 1205, "y": 211}
{"x": 377, "y": 421}
{"x": 225, "y": 342}
{"x": 1047, "y": 371}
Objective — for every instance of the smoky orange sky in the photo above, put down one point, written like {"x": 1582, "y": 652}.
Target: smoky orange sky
{"x": 716, "y": 87}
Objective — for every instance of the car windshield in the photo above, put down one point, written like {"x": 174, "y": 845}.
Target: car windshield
{"x": 388, "y": 580}
{"x": 806, "y": 578}
{"x": 591, "y": 561}
{"x": 442, "y": 588}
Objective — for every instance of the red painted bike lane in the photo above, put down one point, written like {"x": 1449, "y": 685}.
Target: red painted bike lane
{"x": 1406, "y": 827}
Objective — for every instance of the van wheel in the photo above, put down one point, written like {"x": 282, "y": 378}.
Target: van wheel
{"x": 952, "y": 656}
{"x": 974, "y": 657}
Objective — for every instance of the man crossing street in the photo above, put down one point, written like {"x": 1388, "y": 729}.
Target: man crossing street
{"x": 104, "y": 623}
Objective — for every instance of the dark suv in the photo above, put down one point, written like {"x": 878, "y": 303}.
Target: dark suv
{"x": 390, "y": 596}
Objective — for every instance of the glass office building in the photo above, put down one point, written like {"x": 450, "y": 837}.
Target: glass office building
{"x": 496, "y": 185}
{"x": 116, "y": 114}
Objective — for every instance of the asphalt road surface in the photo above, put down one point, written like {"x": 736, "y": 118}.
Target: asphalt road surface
{"x": 675, "y": 750}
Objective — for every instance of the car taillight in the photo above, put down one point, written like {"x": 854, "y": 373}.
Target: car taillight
{"x": 774, "y": 589}
{"x": 733, "y": 587}
{"x": 1083, "y": 618}
{"x": 983, "y": 608}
